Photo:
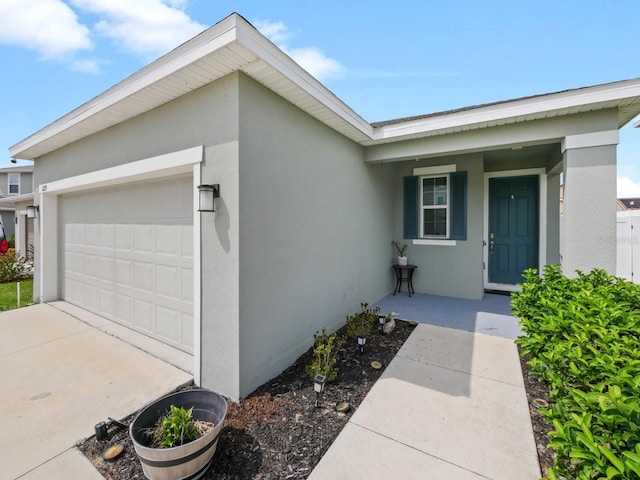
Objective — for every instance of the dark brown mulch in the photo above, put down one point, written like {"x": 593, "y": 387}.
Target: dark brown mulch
{"x": 537, "y": 388}
{"x": 277, "y": 432}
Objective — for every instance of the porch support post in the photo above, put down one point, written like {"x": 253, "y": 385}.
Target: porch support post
{"x": 588, "y": 237}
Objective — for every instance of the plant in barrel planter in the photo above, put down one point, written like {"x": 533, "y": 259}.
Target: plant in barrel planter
{"x": 176, "y": 436}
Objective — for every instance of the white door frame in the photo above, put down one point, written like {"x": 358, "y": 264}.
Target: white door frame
{"x": 542, "y": 220}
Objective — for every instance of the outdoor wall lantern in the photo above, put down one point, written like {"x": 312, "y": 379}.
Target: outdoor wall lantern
{"x": 318, "y": 387}
{"x": 362, "y": 339}
{"x": 207, "y": 194}
{"x": 32, "y": 211}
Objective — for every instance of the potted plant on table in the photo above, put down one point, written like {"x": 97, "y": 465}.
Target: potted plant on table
{"x": 176, "y": 436}
{"x": 400, "y": 247}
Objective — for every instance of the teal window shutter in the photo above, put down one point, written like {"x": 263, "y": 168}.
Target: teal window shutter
{"x": 411, "y": 202}
{"x": 458, "y": 207}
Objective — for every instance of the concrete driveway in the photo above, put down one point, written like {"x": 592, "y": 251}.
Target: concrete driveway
{"x": 59, "y": 377}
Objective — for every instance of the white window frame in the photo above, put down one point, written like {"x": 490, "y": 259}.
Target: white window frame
{"x": 9, "y": 183}
{"x": 424, "y": 207}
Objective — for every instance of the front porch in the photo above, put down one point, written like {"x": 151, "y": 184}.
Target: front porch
{"x": 490, "y": 316}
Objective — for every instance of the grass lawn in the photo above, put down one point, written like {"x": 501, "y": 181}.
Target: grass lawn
{"x": 9, "y": 297}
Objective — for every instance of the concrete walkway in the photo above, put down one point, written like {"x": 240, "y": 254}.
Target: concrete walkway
{"x": 60, "y": 376}
{"x": 491, "y": 315}
{"x": 451, "y": 405}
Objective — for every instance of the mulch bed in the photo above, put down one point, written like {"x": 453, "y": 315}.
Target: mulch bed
{"x": 277, "y": 433}
{"x": 537, "y": 388}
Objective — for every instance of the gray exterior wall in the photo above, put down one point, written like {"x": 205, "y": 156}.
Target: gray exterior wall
{"x": 26, "y": 183}
{"x": 451, "y": 271}
{"x": 315, "y": 231}
{"x": 589, "y": 239}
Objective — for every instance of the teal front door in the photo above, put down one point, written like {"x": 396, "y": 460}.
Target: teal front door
{"x": 513, "y": 227}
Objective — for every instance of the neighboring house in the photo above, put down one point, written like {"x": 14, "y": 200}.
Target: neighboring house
{"x": 14, "y": 182}
{"x": 311, "y": 196}
{"x": 628, "y": 239}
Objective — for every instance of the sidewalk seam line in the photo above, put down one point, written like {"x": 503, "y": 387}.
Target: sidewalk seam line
{"x": 458, "y": 371}
{"x": 417, "y": 449}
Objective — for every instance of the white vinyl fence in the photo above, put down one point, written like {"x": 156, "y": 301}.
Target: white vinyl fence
{"x": 628, "y": 233}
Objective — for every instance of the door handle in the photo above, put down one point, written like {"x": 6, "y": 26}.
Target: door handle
{"x": 491, "y": 244}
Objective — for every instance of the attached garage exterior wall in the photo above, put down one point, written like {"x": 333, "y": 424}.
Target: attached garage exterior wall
{"x": 315, "y": 231}
{"x": 207, "y": 117}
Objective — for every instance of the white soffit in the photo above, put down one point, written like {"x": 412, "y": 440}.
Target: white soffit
{"x": 235, "y": 45}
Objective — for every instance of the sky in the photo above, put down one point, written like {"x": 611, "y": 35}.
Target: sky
{"x": 384, "y": 59}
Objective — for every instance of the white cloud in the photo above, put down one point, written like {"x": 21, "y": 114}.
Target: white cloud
{"x": 49, "y": 27}
{"x": 312, "y": 59}
{"x": 628, "y": 188}
{"x": 145, "y": 27}
{"x": 86, "y": 66}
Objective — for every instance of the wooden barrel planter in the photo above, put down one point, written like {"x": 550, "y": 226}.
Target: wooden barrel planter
{"x": 189, "y": 461}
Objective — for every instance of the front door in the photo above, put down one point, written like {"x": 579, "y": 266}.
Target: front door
{"x": 513, "y": 227}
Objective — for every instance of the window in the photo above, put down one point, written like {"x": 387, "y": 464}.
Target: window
{"x": 435, "y": 206}
{"x": 14, "y": 183}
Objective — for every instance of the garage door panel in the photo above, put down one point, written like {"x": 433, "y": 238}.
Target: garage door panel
{"x": 124, "y": 272}
{"x": 167, "y": 324}
{"x": 143, "y": 276}
{"x": 187, "y": 285}
{"x": 166, "y": 281}
{"x": 143, "y": 238}
{"x": 187, "y": 241}
{"x": 124, "y": 237}
{"x": 107, "y": 236}
{"x": 187, "y": 330}
{"x": 128, "y": 256}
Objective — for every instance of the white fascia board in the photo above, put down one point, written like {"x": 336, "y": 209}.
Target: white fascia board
{"x": 251, "y": 39}
{"x": 517, "y": 108}
{"x": 155, "y": 167}
{"x": 217, "y": 37}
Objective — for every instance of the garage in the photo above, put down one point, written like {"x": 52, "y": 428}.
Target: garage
{"x": 127, "y": 255}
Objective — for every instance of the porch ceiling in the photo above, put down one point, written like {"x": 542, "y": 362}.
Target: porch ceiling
{"x": 234, "y": 45}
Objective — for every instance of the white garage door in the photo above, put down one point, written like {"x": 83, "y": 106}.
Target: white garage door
{"x": 128, "y": 256}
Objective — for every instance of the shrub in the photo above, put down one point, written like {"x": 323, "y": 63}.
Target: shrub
{"x": 364, "y": 322}
{"x": 325, "y": 349}
{"x": 583, "y": 337}
{"x": 14, "y": 267}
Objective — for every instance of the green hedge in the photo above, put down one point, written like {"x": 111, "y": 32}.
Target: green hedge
{"x": 583, "y": 337}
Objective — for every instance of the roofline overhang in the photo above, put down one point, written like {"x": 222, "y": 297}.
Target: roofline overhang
{"x": 255, "y": 51}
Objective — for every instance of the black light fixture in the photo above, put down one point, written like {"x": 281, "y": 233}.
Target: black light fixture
{"x": 32, "y": 211}
{"x": 207, "y": 194}
{"x": 362, "y": 339}
{"x": 318, "y": 387}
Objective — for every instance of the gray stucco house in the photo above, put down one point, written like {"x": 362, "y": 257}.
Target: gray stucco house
{"x": 311, "y": 196}
{"x": 15, "y": 183}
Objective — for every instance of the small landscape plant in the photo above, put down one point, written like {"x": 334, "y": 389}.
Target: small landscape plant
{"x": 14, "y": 267}
{"x": 325, "y": 349}
{"x": 176, "y": 428}
{"x": 582, "y": 335}
{"x": 363, "y": 322}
